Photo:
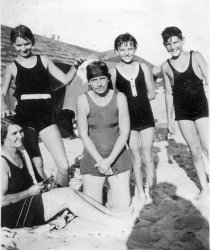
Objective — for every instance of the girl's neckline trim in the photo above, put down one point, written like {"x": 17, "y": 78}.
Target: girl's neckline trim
{"x": 8, "y": 159}
{"x": 133, "y": 78}
{"x": 26, "y": 67}
{"x": 182, "y": 72}
{"x": 100, "y": 105}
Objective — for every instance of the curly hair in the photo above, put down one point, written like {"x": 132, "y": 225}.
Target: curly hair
{"x": 5, "y": 123}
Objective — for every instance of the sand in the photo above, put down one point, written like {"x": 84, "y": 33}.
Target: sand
{"x": 174, "y": 221}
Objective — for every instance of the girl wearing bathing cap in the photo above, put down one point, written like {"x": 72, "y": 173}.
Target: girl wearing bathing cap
{"x": 103, "y": 123}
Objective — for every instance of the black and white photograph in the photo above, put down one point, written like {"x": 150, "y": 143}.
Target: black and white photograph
{"x": 104, "y": 125}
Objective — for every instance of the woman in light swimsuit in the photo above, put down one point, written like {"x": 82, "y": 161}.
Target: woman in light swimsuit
{"x": 103, "y": 123}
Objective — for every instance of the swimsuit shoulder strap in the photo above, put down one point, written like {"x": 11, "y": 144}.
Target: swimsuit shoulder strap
{"x": 170, "y": 64}
{"x": 191, "y": 57}
{"x": 7, "y": 160}
{"x": 11, "y": 163}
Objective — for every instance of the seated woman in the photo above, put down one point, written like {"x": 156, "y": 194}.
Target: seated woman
{"x": 103, "y": 124}
{"x": 24, "y": 205}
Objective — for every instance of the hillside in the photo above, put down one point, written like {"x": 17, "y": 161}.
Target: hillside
{"x": 58, "y": 51}
{"x": 63, "y": 54}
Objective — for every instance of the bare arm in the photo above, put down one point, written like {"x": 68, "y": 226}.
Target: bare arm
{"x": 202, "y": 65}
{"x": 7, "y": 199}
{"x": 82, "y": 112}
{"x": 149, "y": 81}
{"x": 6, "y": 83}
{"x": 124, "y": 129}
{"x": 58, "y": 74}
{"x": 168, "y": 98}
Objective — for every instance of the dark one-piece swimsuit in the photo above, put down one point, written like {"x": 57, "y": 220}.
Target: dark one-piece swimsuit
{"x": 190, "y": 102}
{"x": 35, "y": 113}
{"x": 141, "y": 116}
{"x": 27, "y": 212}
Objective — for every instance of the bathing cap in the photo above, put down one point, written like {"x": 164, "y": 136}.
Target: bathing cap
{"x": 96, "y": 69}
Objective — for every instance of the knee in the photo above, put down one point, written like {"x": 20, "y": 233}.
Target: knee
{"x": 137, "y": 162}
{"x": 147, "y": 157}
{"x": 206, "y": 152}
{"x": 196, "y": 153}
{"x": 63, "y": 167}
{"x": 70, "y": 192}
{"x": 136, "y": 158}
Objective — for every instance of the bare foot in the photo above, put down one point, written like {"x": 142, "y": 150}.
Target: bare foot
{"x": 148, "y": 200}
{"x": 138, "y": 204}
{"x": 203, "y": 195}
{"x": 147, "y": 195}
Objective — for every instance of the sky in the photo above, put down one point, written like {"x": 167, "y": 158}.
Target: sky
{"x": 94, "y": 24}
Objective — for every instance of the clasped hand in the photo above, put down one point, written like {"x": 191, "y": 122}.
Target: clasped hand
{"x": 104, "y": 166}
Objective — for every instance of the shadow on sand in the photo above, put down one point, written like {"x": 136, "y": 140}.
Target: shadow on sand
{"x": 170, "y": 223}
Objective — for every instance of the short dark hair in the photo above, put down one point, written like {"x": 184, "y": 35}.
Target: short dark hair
{"x": 171, "y": 31}
{"x": 125, "y": 38}
{"x": 21, "y": 31}
{"x": 97, "y": 68}
{"x": 5, "y": 123}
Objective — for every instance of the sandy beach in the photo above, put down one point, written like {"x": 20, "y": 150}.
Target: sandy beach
{"x": 175, "y": 220}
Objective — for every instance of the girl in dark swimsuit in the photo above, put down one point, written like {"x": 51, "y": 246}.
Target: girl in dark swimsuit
{"x": 135, "y": 81}
{"x": 183, "y": 75}
{"x": 34, "y": 111}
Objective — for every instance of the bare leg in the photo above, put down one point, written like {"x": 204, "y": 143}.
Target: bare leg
{"x": 203, "y": 132}
{"x": 147, "y": 137}
{"x": 64, "y": 198}
{"x": 120, "y": 190}
{"x": 31, "y": 145}
{"x": 104, "y": 209}
{"x": 93, "y": 186}
{"x": 189, "y": 132}
{"x": 52, "y": 140}
{"x": 134, "y": 145}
